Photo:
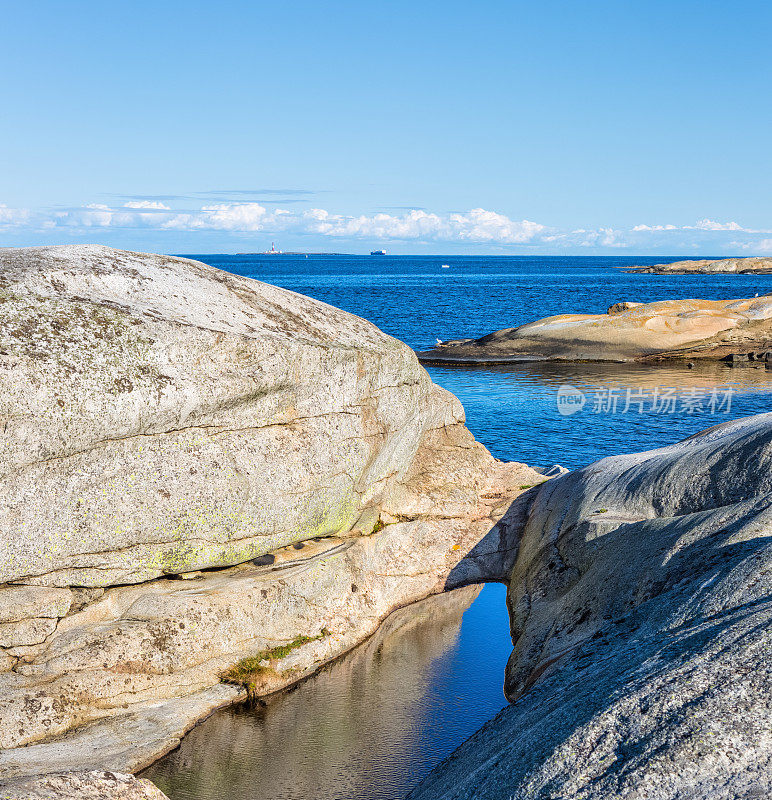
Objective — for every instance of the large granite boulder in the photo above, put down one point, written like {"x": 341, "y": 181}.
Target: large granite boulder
{"x": 161, "y": 417}
{"x": 759, "y": 265}
{"x": 680, "y": 329}
{"x": 641, "y": 603}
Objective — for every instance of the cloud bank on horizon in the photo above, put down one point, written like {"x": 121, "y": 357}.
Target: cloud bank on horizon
{"x": 477, "y": 226}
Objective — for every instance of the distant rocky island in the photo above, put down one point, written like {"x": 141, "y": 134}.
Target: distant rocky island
{"x": 629, "y": 331}
{"x": 757, "y": 265}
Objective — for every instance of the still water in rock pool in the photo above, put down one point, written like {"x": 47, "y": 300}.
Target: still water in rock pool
{"x": 371, "y": 725}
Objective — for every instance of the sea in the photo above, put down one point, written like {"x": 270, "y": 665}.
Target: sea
{"x": 374, "y": 723}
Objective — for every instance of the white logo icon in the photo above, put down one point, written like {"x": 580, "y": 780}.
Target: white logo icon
{"x": 570, "y": 400}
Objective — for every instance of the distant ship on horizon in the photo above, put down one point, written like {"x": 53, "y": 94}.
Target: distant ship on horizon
{"x": 377, "y": 252}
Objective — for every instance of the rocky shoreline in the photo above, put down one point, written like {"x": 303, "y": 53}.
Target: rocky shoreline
{"x": 642, "y": 621}
{"x": 213, "y": 487}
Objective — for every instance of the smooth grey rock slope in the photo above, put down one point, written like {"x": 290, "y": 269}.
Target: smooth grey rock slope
{"x": 641, "y": 609}
{"x": 161, "y": 417}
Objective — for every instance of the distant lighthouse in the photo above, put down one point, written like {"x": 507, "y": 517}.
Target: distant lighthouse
{"x": 272, "y": 252}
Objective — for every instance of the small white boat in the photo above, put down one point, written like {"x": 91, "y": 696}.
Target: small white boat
{"x": 446, "y": 266}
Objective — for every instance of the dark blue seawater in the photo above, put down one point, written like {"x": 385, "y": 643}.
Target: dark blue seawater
{"x": 513, "y": 410}
{"x": 371, "y": 725}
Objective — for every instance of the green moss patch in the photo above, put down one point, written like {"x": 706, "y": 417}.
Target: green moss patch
{"x": 531, "y": 485}
{"x": 248, "y": 671}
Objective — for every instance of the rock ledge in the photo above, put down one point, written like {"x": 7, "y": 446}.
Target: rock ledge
{"x": 667, "y": 329}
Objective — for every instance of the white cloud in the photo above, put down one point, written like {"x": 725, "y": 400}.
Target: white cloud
{"x": 700, "y": 225}
{"x": 93, "y": 215}
{"x": 14, "y": 217}
{"x": 759, "y": 246}
{"x": 146, "y": 204}
{"x": 478, "y": 226}
{"x": 594, "y": 237}
{"x": 710, "y": 225}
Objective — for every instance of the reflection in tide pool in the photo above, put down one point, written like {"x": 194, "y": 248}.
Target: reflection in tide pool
{"x": 370, "y": 725}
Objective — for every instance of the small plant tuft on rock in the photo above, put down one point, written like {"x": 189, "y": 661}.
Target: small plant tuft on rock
{"x": 247, "y": 672}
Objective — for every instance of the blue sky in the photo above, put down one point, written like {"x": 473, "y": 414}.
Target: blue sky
{"x": 446, "y": 127}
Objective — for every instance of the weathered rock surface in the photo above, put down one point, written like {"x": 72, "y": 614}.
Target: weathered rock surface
{"x": 758, "y": 265}
{"x": 119, "y": 666}
{"x": 94, "y": 785}
{"x": 160, "y": 418}
{"x": 678, "y": 329}
{"x": 641, "y": 607}
{"x": 624, "y": 305}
